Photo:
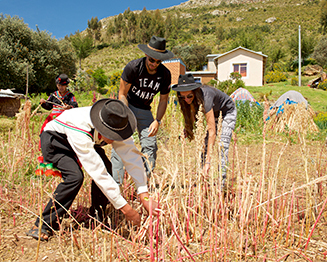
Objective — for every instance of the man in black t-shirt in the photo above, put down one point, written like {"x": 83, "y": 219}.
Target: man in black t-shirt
{"x": 141, "y": 80}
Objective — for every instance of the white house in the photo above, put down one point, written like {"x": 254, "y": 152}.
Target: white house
{"x": 250, "y": 64}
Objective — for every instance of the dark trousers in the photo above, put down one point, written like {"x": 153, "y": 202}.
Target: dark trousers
{"x": 57, "y": 150}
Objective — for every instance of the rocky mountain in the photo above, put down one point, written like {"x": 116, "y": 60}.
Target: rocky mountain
{"x": 268, "y": 26}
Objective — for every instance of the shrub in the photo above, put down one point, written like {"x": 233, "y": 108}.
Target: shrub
{"x": 100, "y": 77}
{"x": 263, "y": 95}
{"x": 81, "y": 82}
{"x": 230, "y": 85}
{"x": 321, "y": 120}
{"x": 226, "y": 86}
{"x": 114, "y": 82}
{"x": 275, "y": 77}
{"x": 249, "y": 117}
{"x": 294, "y": 81}
{"x": 323, "y": 85}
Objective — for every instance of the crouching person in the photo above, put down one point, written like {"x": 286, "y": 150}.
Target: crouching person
{"x": 77, "y": 135}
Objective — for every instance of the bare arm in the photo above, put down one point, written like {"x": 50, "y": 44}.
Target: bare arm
{"x": 133, "y": 216}
{"x": 154, "y": 127}
{"x": 123, "y": 90}
{"x": 211, "y": 125}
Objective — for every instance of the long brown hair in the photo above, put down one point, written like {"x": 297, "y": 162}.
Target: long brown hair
{"x": 188, "y": 113}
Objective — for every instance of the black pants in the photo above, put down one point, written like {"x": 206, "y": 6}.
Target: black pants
{"x": 57, "y": 150}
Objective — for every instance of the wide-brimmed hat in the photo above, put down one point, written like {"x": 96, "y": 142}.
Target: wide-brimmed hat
{"x": 113, "y": 119}
{"x": 186, "y": 83}
{"x": 156, "y": 48}
{"x": 62, "y": 79}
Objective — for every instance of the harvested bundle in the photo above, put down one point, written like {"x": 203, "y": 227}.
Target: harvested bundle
{"x": 291, "y": 117}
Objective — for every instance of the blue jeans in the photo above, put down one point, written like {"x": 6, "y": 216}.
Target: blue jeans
{"x": 144, "y": 119}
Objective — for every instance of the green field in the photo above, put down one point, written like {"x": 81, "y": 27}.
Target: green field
{"x": 317, "y": 98}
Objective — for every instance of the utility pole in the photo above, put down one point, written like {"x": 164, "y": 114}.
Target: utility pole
{"x": 299, "y": 55}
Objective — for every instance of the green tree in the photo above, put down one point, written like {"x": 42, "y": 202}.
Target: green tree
{"x": 307, "y": 45}
{"x": 320, "y": 52}
{"x": 83, "y": 46}
{"x": 22, "y": 48}
{"x": 323, "y": 16}
{"x": 158, "y": 24}
{"x": 145, "y": 24}
{"x": 100, "y": 77}
{"x": 94, "y": 26}
{"x": 251, "y": 40}
{"x": 275, "y": 56}
{"x": 194, "y": 56}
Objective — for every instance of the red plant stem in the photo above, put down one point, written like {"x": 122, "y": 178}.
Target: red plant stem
{"x": 290, "y": 216}
{"x": 157, "y": 232}
{"x": 315, "y": 224}
{"x": 302, "y": 230}
{"x": 21, "y": 204}
{"x": 150, "y": 231}
{"x": 179, "y": 240}
{"x": 0, "y": 230}
{"x": 246, "y": 241}
{"x": 267, "y": 212}
{"x": 283, "y": 257}
{"x": 188, "y": 218}
{"x": 305, "y": 256}
{"x": 196, "y": 254}
{"x": 201, "y": 225}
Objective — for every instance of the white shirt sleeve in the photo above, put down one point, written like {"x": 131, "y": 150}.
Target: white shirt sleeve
{"x": 94, "y": 166}
{"x": 133, "y": 163}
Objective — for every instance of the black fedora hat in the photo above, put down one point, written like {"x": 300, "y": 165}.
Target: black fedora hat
{"x": 156, "y": 48}
{"x": 62, "y": 79}
{"x": 186, "y": 83}
{"x": 113, "y": 119}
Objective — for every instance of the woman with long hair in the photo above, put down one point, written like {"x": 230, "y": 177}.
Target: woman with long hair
{"x": 192, "y": 96}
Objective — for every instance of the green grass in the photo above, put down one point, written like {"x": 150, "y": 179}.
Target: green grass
{"x": 253, "y": 15}
{"x": 317, "y": 98}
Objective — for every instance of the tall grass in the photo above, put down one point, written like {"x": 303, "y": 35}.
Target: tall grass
{"x": 273, "y": 208}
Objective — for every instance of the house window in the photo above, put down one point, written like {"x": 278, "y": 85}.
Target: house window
{"x": 240, "y": 68}
{"x": 197, "y": 79}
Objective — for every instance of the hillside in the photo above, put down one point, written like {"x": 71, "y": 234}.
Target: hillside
{"x": 266, "y": 25}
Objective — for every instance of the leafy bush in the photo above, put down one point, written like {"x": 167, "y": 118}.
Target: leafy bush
{"x": 294, "y": 81}
{"x": 230, "y": 85}
{"x": 114, "y": 82}
{"x": 100, "y": 77}
{"x": 82, "y": 82}
{"x": 321, "y": 120}
{"x": 276, "y": 75}
{"x": 23, "y": 49}
{"x": 249, "y": 117}
{"x": 323, "y": 85}
{"x": 319, "y": 53}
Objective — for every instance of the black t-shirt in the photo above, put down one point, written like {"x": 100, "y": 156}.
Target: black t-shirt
{"x": 217, "y": 100}
{"x": 145, "y": 86}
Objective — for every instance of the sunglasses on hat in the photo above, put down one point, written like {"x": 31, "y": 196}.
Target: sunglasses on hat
{"x": 189, "y": 96}
{"x": 154, "y": 61}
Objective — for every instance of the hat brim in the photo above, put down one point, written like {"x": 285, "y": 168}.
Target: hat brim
{"x": 106, "y": 131}
{"x": 64, "y": 83}
{"x": 186, "y": 87}
{"x": 155, "y": 54}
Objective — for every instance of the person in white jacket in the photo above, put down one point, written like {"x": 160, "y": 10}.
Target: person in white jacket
{"x": 78, "y": 134}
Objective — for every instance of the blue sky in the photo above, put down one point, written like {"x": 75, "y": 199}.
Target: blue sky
{"x": 61, "y": 18}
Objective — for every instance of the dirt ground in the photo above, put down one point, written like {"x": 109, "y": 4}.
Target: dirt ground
{"x": 15, "y": 221}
